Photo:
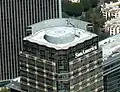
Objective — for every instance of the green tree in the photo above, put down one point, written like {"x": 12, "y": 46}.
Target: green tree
{"x": 94, "y": 3}
{"x": 77, "y": 9}
{"x": 94, "y": 16}
{"x": 86, "y": 4}
{"x": 72, "y": 9}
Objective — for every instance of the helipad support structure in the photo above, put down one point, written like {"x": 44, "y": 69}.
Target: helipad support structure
{"x": 61, "y": 56}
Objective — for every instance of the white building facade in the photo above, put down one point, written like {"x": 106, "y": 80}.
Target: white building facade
{"x": 113, "y": 26}
{"x": 111, "y": 10}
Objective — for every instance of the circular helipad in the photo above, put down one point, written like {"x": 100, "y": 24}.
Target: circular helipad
{"x": 60, "y": 35}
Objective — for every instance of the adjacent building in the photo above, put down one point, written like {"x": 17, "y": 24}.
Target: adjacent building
{"x": 15, "y": 16}
{"x": 113, "y": 26}
{"x": 111, "y": 10}
{"x": 111, "y": 63}
{"x": 60, "y": 55}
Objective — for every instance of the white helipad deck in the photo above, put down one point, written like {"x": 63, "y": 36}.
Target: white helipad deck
{"x": 62, "y": 32}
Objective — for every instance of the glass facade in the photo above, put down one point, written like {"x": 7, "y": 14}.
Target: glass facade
{"x": 45, "y": 69}
{"x": 112, "y": 74}
{"x": 15, "y": 16}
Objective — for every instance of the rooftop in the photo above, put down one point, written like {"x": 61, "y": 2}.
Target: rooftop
{"x": 59, "y": 37}
{"x": 111, "y": 7}
{"x": 111, "y": 4}
{"x": 110, "y": 46}
{"x": 71, "y": 22}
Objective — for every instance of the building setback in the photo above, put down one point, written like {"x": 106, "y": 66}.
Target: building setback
{"x": 111, "y": 63}
{"x": 61, "y": 57}
{"x": 15, "y": 16}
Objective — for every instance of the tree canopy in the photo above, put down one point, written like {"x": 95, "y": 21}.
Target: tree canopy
{"x": 92, "y": 14}
{"x": 73, "y": 9}
{"x": 94, "y": 3}
{"x": 76, "y": 9}
{"x": 86, "y": 4}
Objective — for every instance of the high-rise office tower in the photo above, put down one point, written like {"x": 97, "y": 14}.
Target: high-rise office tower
{"x": 61, "y": 57}
{"x": 111, "y": 63}
{"x": 15, "y": 16}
